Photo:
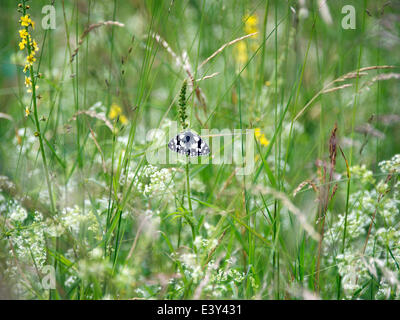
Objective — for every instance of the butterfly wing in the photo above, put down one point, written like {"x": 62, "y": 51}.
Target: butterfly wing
{"x": 189, "y": 144}
{"x": 199, "y": 147}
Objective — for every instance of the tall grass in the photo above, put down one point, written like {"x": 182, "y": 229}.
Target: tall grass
{"x": 77, "y": 192}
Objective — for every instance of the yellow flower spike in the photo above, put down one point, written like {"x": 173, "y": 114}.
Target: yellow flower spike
{"x": 27, "y": 111}
{"x": 264, "y": 141}
{"x": 250, "y": 20}
{"x": 261, "y": 137}
{"x": 115, "y": 111}
{"x": 28, "y": 81}
{"x": 250, "y": 24}
{"x": 23, "y": 33}
{"x": 30, "y": 59}
{"x": 123, "y": 119}
{"x": 25, "y": 21}
{"x": 241, "y": 53}
{"x": 257, "y": 132}
{"x": 22, "y": 44}
{"x": 35, "y": 46}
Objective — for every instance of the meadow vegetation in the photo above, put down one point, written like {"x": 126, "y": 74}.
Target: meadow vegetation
{"x": 85, "y": 215}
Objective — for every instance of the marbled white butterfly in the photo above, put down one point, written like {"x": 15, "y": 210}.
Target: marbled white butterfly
{"x": 189, "y": 144}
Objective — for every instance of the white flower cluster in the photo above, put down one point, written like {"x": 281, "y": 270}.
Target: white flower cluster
{"x": 363, "y": 204}
{"x": 226, "y": 280}
{"x": 30, "y": 244}
{"x": 192, "y": 266}
{"x": 220, "y": 280}
{"x": 352, "y": 272}
{"x": 201, "y": 242}
{"x": 17, "y": 212}
{"x": 228, "y": 275}
{"x": 361, "y": 172}
{"x": 154, "y": 181}
{"x": 70, "y": 281}
{"x": 73, "y": 219}
{"x": 27, "y": 249}
{"x": 25, "y": 243}
{"x": 371, "y": 198}
{"x": 392, "y": 165}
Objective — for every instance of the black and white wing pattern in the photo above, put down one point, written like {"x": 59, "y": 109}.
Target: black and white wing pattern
{"x": 189, "y": 144}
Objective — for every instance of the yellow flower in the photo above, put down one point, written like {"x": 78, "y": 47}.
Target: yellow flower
{"x": 115, "y": 111}
{"x": 267, "y": 83}
{"x": 23, "y": 33}
{"x": 27, "y": 111}
{"x": 26, "y": 68}
{"x": 250, "y": 24}
{"x": 33, "y": 24}
{"x": 22, "y": 44}
{"x": 261, "y": 137}
{"x": 25, "y": 21}
{"x": 264, "y": 141}
{"x": 30, "y": 59}
{"x": 30, "y": 90}
{"x": 241, "y": 53}
{"x": 35, "y": 46}
{"x": 28, "y": 81}
{"x": 123, "y": 119}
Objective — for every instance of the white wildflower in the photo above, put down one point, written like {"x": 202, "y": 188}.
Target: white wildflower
{"x": 19, "y": 214}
